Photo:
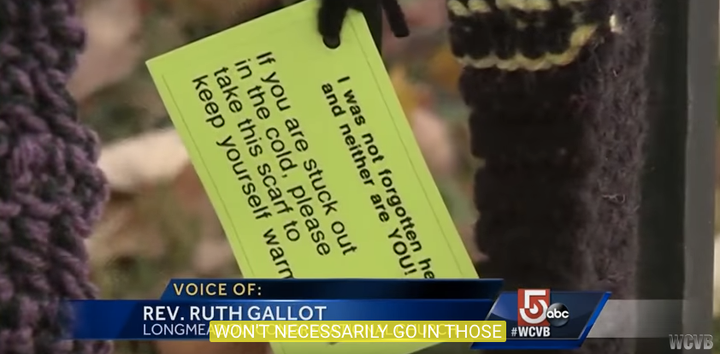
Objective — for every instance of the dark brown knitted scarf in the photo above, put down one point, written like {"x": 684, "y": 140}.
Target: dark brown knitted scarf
{"x": 557, "y": 94}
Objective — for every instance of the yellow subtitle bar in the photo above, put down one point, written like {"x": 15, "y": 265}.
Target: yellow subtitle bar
{"x": 358, "y": 331}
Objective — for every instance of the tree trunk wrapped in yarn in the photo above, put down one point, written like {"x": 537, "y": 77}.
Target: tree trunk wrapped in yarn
{"x": 50, "y": 188}
{"x": 557, "y": 96}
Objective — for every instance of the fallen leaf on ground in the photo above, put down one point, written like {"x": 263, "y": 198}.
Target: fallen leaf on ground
{"x": 124, "y": 231}
{"x": 147, "y": 159}
{"x": 212, "y": 256}
{"x": 212, "y": 253}
{"x": 444, "y": 69}
{"x": 432, "y": 136}
{"x": 404, "y": 89}
{"x": 193, "y": 200}
{"x": 134, "y": 168}
{"x": 112, "y": 49}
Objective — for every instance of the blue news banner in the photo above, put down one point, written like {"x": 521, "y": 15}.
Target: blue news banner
{"x": 188, "y": 305}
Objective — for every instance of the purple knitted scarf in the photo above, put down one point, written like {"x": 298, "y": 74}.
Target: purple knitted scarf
{"x": 51, "y": 190}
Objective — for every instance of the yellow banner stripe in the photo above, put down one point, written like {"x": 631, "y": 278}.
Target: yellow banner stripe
{"x": 358, "y": 331}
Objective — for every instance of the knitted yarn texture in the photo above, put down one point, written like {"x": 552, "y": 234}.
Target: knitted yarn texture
{"x": 50, "y": 188}
{"x": 557, "y": 96}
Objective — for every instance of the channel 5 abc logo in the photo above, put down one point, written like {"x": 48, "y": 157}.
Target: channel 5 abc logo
{"x": 534, "y": 309}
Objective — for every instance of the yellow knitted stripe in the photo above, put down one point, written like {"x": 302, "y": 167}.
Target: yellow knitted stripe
{"x": 524, "y": 5}
{"x": 473, "y": 6}
{"x": 578, "y": 39}
{"x": 458, "y": 8}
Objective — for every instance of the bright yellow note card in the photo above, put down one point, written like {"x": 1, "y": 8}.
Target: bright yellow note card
{"x": 308, "y": 158}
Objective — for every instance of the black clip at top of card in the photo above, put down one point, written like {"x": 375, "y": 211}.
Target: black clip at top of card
{"x": 332, "y": 15}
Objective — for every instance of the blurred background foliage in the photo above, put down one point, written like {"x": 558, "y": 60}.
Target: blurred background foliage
{"x": 159, "y": 223}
